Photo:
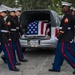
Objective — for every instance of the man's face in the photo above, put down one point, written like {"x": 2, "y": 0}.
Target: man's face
{"x": 17, "y": 13}
{"x": 73, "y": 12}
{"x": 65, "y": 8}
{"x": 3, "y": 14}
{"x": 12, "y": 13}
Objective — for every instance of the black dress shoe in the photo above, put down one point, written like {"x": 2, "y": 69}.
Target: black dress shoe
{"x": 53, "y": 70}
{"x": 24, "y": 60}
{"x": 74, "y": 72}
{"x": 3, "y": 58}
{"x": 18, "y": 63}
{"x": 15, "y": 69}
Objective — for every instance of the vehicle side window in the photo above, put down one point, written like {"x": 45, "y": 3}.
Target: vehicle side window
{"x": 56, "y": 18}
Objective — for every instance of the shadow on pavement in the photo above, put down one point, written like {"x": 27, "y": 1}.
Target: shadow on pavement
{"x": 40, "y": 51}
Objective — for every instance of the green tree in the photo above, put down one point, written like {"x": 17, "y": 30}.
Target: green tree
{"x": 37, "y": 4}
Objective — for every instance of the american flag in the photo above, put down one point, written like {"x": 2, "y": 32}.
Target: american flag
{"x": 38, "y": 28}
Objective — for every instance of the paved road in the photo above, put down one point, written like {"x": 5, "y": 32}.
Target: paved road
{"x": 39, "y": 63}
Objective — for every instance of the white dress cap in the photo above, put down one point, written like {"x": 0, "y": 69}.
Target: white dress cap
{"x": 12, "y": 9}
{"x": 66, "y": 3}
{"x": 72, "y": 8}
{"x": 5, "y": 7}
{"x": 2, "y": 9}
{"x": 18, "y": 9}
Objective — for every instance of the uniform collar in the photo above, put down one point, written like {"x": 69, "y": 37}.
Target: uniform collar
{"x": 67, "y": 12}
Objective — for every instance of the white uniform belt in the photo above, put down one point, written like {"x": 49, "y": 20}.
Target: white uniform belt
{"x": 9, "y": 39}
{"x": 5, "y": 31}
{"x": 17, "y": 27}
{"x": 67, "y": 28}
{"x": 13, "y": 29}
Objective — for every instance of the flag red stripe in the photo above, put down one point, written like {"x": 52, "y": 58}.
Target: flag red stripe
{"x": 42, "y": 26}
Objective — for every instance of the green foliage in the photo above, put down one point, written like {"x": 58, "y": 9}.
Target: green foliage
{"x": 37, "y": 4}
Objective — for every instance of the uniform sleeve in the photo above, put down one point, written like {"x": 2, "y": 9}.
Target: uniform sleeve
{"x": 20, "y": 28}
{"x": 21, "y": 31}
{"x": 8, "y": 23}
{"x": 65, "y": 25}
{"x": 0, "y": 32}
{"x": 0, "y": 26}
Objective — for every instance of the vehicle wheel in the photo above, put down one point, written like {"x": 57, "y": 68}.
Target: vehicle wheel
{"x": 23, "y": 49}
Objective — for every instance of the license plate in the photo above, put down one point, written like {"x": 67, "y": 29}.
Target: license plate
{"x": 33, "y": 42}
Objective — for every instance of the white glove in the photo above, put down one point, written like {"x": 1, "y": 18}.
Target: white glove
{"x": 72, "y": 41}
{"x": 56, "y": 38}
{"x": 10, "y": 39}
{"x": 23, "y": 36}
